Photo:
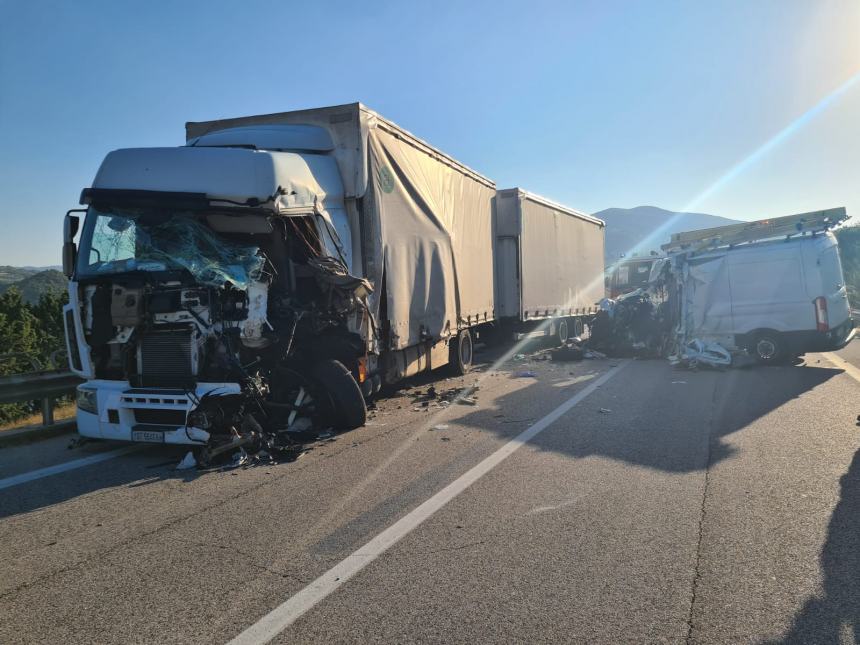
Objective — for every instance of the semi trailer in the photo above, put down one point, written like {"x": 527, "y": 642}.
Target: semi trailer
{"x": 549, "y": 266}
{"x": 274, "y": 271}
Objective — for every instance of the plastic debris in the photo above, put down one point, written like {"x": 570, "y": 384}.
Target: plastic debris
{"x": 188, "y": 462}
{"x": 605, "y": 410}
{"x": 467, "y": 400}
{"x": 700, "y": 353}
{"x": 525, "y": 374}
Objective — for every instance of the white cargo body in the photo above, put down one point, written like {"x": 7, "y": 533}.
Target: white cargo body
{"x": 420, "y": 224}
{"x": 549, "y": 260}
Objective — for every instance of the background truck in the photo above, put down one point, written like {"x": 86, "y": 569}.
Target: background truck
{"x": 773, "y": 287}
{"x": 549, "y": 265}
{"x": 246, "y": 283}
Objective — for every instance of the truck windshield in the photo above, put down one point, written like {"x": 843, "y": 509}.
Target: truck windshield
{"x": 125, "y": 240}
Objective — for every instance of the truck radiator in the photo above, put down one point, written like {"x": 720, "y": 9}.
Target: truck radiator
{"x": 165, "y": 359}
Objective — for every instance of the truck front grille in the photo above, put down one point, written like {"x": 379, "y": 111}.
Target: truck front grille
{"x": 165, "y": 359}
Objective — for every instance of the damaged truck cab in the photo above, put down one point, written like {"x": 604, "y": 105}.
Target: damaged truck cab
{"x": 269, "y": 275}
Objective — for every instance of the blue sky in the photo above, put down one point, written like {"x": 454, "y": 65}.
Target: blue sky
{"x": 594, "y": 104}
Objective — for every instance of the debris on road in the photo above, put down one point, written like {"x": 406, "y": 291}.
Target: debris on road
{"x": 570, "y": 352}
{"x": 187, "y": 462}
{"x": 525, "y": 374}
{"x": 698, "y": 353}
{"x": 605, "y": 411}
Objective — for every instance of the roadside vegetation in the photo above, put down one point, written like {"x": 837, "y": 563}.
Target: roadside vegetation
{"x": 28, "y": 332}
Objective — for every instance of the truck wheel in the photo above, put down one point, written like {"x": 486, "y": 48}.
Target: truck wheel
{"x": 562, "y": 331}
{"x": 767, "y": 348}
{"x": 344, "y": 402}
{"x": 462, "y": 351}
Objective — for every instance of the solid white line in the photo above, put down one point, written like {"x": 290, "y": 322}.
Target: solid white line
{"x": 65, "y": 467}
{"x": 303, "y": 601}
{"x": 842, "y": 364}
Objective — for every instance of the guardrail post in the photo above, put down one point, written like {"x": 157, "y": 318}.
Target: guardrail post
{"x": 47, "y": 411}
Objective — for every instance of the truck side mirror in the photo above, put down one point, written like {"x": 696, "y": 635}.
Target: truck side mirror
{"x": 70, "y": 229}
{"x": 69, "y": 254}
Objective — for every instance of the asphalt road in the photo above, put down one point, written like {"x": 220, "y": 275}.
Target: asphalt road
{"x": 656, "y": 506}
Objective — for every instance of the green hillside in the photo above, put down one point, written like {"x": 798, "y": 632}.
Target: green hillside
{"x": 34, "y": 284}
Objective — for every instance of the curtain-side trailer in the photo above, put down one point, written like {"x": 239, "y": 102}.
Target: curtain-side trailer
{"x": 549, "y": 265}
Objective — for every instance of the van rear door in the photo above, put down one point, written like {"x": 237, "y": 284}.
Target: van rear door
{"x": 832, "y": 285}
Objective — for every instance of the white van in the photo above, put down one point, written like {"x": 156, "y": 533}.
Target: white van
{"x": 777, "y": 298}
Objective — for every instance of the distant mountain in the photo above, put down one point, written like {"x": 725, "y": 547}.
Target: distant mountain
{"x": 644, "y": 228}
{"x": 34, "y": 283}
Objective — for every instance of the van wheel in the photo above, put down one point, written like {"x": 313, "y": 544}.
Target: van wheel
{"x": 562, "y": 331}
{"x": 767, "y": 348}
{"x": 462, "y": 352}
{"x": 344, "y": 406}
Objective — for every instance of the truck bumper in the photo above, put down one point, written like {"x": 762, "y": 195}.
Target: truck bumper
{"x": 147, "y": 415}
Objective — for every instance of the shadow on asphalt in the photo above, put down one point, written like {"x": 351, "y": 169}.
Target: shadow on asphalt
{"x": 832, "y": 616}
{"x": 667, "y": 419}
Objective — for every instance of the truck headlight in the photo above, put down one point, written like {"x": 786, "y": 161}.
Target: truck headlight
{"x": 87, "y": 400}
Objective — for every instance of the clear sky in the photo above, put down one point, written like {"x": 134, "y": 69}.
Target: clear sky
{"x": 594, "y": 104}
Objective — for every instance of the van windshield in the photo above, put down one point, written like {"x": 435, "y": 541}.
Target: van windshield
{"x": 126, "y": 240}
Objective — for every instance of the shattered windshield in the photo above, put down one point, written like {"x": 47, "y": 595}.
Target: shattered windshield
{"x": 120, "y": 241}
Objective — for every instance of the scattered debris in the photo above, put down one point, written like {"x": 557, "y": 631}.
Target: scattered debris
{"x": 188, "y": 462}
{"x": 441, "y": 426}
{"x": 570, "y": 352}
{"x": 605, "y": 410}
{"x": 698, "y": 353}
{"x": 467, "y": 400}
{"x": 525, "y": 374}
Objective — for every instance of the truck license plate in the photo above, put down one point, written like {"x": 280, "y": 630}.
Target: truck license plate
{"x": 149, "y": 436}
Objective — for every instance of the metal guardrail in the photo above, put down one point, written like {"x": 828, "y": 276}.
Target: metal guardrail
{"x": 38, "y": 385}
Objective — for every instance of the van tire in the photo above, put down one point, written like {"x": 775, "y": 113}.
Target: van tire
{"x": 343, "y": 404}
{"x": 768, "y": 348}
{"x": 462, "y": 353}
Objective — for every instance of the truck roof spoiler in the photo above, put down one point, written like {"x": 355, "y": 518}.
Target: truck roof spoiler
{"x": 762, "y": 229}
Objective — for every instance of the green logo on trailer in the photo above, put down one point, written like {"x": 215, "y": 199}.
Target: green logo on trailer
{"x": 386, "y": 179}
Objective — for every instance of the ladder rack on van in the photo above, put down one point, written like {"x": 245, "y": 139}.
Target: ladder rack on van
{"x": 732, "y": 234}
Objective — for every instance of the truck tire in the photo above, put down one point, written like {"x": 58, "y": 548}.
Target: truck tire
{"x": 343, "y": 403}
{"x": 562, "y": 331}
{"x": 462, "y": 351}
{"x": 767, "y": 348}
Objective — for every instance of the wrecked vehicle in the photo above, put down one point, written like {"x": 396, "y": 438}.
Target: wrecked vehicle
{"x": 772, "y": 289}
{"x": 269, "y": 275}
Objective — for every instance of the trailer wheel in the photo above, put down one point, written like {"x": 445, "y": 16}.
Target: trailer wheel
{"x": 767, "y": 348}
{"x": 462, "y": 352}
{"x": 344, "y": 406}
{"x": 562, "y": 331}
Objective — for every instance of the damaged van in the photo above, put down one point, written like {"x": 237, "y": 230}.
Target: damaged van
{"x": 269, "y": 275}
{"x": 774, "y": 288}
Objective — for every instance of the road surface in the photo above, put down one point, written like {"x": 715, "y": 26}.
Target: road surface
{"x": 595, "y": 502}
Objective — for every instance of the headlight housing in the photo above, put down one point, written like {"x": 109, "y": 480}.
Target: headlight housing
{"x": 87, "y": 400}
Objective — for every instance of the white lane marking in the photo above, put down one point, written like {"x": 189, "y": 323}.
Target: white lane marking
{"x": 841, "y": 363}
{"x": 304, "y": 600}
{"x": 64, "y": 467}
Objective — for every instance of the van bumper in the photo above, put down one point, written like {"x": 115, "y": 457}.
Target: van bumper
{"x": 830, "y": 341}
